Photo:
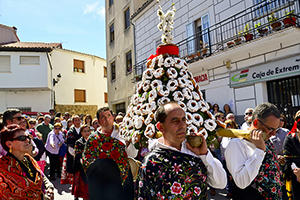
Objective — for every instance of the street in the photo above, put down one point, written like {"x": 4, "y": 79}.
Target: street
{"x": 63, "y": 192}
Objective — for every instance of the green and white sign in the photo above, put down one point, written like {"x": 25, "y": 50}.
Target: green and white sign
{"x": 273, "y": 70}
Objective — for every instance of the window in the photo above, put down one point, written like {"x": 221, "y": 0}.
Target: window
{"x": 128, "y": 62}
{"x": 112, "y": 33}
{"x": 105, "y": 97}
{"x": 79, "y": 95}
{"x": 4, "y": 63}
{"x": 78, "y": 66}
{"x": 263, "y": 7}
{"x": 30, "y": 60}
{"x": 113, "y": 70}
{"x": 105, "y": 71}
{"x": 127, "y": 18}
{"x": 110, "y": 2}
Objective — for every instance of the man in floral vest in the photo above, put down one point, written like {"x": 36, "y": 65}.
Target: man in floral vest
{"x": 105, "y": 161}
{"x": 174, "y": 169}
{"x": 253, "y": 164}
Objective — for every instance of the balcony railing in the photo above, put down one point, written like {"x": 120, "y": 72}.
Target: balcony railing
{"x": 249, "y": 24}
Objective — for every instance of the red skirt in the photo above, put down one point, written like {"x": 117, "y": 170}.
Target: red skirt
{"x": 66, "y": 178}
{"x": 80, "y": 188}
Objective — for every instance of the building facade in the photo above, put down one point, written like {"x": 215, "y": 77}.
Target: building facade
{"x": 120, "y": 52}
{"x": 35, "y": 77}
{"x": 230, "y": 67}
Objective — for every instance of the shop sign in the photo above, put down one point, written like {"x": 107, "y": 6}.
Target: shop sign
{"x": 265, "y": 72}
{"x": 202, "y": 78}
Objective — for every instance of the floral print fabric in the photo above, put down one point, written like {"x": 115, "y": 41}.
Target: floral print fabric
{"x": 100, "y": 146}
{"x": 168, "y": 174}
{"x": 268, "y": 182}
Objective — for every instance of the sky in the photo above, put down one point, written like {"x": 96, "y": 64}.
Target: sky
{"x": 78, "y": 24}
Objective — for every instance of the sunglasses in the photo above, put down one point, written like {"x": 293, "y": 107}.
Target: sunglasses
{"x": 31, "y": 123}
{"x": 270, "y": 129}
{"x": 22, "y": 138}
{"x": 57, "y": 128}
{"x": 282, "y": 120}
{"x": 18, "y": 118}
{"x": 248, "y": 113}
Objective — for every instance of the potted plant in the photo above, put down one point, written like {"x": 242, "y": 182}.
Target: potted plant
{"x": 290, "y": 19}
{"x": 238, "y": 40}
{"x": 275, "y": 24}
{"x": 262, "y": 31}
{"x": 230, "y": 44}
{"x": 204, "y": 48}
{"x": 247, "y": 35}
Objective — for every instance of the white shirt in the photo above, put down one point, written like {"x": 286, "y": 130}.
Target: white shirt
{"x": 130, "y": 150}
{"x": 216, "y": 175}
{"x": 64, "y": 123}
{"x": 54, "y": 139}
{"x": 245, "y": 126}
{"x": 243, "y": 161}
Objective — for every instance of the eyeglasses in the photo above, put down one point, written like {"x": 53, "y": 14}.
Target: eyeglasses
{"x": 31, "y": 123}
{"x": 22, "y": 138}
{"x": 270, "y": 129}
{"x": 19, "y": 118}
{"x": 282, "y": 120}
{"x": 248, "y": 113}
{"x": 57, "y": 128}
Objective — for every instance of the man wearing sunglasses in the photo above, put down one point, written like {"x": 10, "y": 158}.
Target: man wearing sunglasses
{"x": 248, "y": 113}
{"x": 253, "y": 164}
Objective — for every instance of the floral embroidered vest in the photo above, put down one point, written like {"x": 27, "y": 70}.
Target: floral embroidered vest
{"x": 100, "y": 146}
{"x": 168, "y": 174}
{"x": 268, "y": 182}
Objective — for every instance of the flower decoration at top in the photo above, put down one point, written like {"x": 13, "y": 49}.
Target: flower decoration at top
{"x": 166, "y": 23}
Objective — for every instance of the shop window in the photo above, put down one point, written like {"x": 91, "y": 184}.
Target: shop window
{"x": 127, "y": 18}
{"x": 120, "y": 108}
{"x": 29, "y": 60}
{"x": 112, "y": 33}
{"x": 79, "y": 95}
{"x": 105, "y": 97}
{"x": 5, "y": 64}
{"x": 78, "y": 66}
{"x": 128, "y": 62}
{"x": 113, "y": 70}
{"x": 105, "y": 71}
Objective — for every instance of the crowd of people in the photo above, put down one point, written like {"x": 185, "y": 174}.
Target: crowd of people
{"x": 89, "y": 154}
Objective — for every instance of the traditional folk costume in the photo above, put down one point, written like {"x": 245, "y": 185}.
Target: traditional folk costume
{"x": 291, "y": 150}
{"x": 67, "y": 173}
{"x": 101, "y": 147}
{"x": 256, "y": 173}
{"x": 169, "y": 173}
{"x": 17, "y": 181}
{"x": 80, "y": 185}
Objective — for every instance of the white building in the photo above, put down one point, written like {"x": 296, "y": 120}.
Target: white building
{"x": 244, "y": 74}
{"x": 29, "y": 78}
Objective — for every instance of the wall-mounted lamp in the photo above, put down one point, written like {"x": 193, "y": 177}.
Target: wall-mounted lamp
{"x": 228, "y": 64}
{"x": 57, "y": 79}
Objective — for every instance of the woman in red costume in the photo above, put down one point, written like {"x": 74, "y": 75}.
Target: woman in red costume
{"x": 20, "y": 175}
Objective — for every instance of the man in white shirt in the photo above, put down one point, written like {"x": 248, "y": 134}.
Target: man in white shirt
{"x": 253, "y": 164}
{"x": 173, "y": 168}
{"x": 248, "y": 113}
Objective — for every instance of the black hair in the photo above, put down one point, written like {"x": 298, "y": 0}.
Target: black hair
{"x": 103, "y": 109}
{"x": 9, "y": 114}
{"x": 160, "y": 114}
{"x": 264, "y": 110}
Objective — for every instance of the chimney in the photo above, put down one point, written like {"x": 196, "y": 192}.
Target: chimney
{"x": 15, "y": 28}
